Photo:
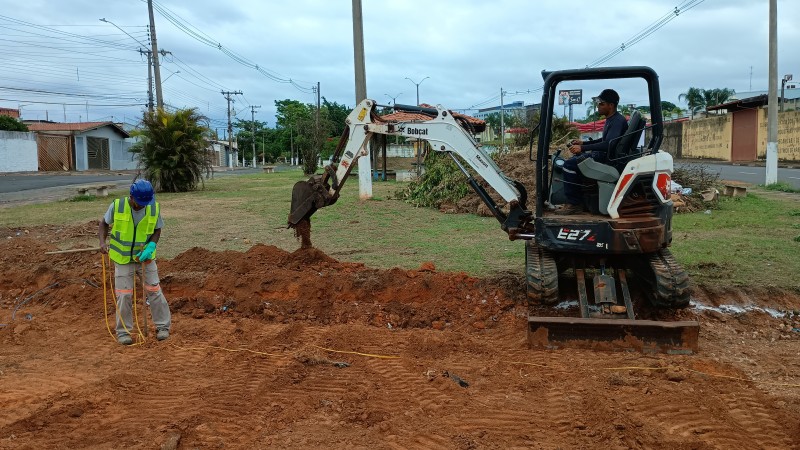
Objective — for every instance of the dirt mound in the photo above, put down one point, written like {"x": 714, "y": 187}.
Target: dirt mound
{"x": 297, "y": 349}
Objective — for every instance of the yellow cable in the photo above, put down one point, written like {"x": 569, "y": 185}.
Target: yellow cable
{"x": 233, "y": 350}
{"x": 105, "y": 297}
{"x": 356, "y": 353}
{"x": 116, "y": 305}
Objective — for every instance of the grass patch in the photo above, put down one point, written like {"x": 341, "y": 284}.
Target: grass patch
{"x": 82, "y": 198}
{"x": 747, "y": 241}
{"x": 780, "y": 186}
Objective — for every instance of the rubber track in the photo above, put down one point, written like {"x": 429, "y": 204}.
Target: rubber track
{"x": 541, "y": 275}
{"x": 671, "y": 281}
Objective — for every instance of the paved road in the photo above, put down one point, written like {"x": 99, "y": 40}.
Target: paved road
{"x": 747, "y": 174}
{"x": 22, "y": 189}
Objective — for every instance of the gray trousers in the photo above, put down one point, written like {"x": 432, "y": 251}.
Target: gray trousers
{"x": 123, "y": 288}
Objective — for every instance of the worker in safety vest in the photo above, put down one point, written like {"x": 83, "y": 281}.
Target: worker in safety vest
{"x": 136, "y": 224}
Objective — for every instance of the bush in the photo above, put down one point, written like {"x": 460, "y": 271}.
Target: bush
{"x": 8, "y": 123}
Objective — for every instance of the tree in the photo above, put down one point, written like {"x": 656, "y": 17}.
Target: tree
{"x": 716, "y": 96}
{"x": 9, "y": 123}
{"x": 173, "y": 149}
{"x": 694, "y": 99}
{"x": 591, "y": 111}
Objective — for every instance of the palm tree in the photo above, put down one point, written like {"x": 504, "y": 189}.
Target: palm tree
{"x": 694, "y": 98}
{"x": 172, "y": 151}
{"x": 717, "y": 96}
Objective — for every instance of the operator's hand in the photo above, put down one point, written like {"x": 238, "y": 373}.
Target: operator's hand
{"x": 576, "y": 142}
{"x": 103, "y": 247}
{"x": 575, "y": 149}
{"x": 147, "y": 252}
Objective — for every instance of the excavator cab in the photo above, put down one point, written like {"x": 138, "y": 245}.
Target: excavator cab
{"x": 619, "y": 243}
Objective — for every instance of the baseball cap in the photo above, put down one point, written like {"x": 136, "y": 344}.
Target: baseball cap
{"x": 608, "y": 96}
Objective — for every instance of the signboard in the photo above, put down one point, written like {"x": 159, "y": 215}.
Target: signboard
{"x": 570, "y": 97}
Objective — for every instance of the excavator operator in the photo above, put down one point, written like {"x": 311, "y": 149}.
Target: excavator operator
{"x": 615, "y": 126}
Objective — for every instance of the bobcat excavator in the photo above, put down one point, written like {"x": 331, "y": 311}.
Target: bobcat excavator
{"x": 625, "y": 233}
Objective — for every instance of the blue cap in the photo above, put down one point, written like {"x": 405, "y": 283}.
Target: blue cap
{"x": 142, "y": 192}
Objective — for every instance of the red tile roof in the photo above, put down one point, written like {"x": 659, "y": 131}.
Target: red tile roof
{"x": 478, "y": 125}
{"x": 79, "y": 126}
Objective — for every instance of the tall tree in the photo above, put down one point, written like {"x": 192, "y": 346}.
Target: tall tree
{"x": 173, "y": 150}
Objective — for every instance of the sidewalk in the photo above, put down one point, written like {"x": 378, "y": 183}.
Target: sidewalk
{"x": 781, "y": 164}
{"x": 51, "y": 194}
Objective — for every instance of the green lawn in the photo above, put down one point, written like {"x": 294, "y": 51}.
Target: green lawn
{"x": 748, "y": 241}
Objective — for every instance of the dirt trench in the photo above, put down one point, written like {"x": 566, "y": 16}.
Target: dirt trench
{"x": 296, "y": 349}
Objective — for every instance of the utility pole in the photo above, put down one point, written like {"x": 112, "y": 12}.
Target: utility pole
{"x": 364, "y": 164}
{"x": 502, "y": 123}
{"x": 253, "y": 126}
{"x": 317, "y": 143}
{"x": 156, "y": 67}
{"x": 772, "y": 102}
{"x": 228, "y": 96}
{"x": 149, "y": 54}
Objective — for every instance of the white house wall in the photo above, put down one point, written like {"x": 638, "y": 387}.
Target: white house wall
{"x": 119, "y": 157}
{"x": 18, "y": 152}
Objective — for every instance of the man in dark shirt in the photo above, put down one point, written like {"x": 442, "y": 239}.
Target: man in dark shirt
{"x": 615, "y": 126}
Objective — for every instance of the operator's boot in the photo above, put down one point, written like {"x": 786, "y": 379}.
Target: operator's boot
{"x": 125, "y": 339}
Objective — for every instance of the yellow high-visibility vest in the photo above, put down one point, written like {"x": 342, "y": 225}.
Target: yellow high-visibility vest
{"x": 126, "y": 238}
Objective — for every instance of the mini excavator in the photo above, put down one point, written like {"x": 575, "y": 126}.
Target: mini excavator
{"x": 622, "y": 238}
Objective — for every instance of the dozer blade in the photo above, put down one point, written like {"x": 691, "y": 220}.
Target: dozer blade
{"x": 646, "y": 336}
{"x": 307, "y": 197}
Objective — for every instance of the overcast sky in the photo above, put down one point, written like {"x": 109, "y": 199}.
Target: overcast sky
{"x": 468, "y": 49}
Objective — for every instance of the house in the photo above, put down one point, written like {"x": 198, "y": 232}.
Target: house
{"x": 223, "y": 154}
{"x": 83, "y": 146}
{"x": 10, "y": 112}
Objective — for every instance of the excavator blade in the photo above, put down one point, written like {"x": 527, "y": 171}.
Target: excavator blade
{"x": 646, "y": 336}
{"x": 306, "y": 198}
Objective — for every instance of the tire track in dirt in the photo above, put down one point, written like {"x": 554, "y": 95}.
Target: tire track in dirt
{"x": 750, "y": 414}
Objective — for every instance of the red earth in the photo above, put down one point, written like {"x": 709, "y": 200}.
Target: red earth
{"x": 296, "y": 350}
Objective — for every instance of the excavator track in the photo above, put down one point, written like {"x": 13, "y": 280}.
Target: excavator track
{"x": 541, "y": 275}
{"x": 670, "y": 282}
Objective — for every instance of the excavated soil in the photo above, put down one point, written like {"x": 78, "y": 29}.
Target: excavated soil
{"x": 276, "y": 349}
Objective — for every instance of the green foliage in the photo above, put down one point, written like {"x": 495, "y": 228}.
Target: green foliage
{"x": 442, "y": 182}
{"x": 8, "y": 123}
{"x": 82, "y": 198}
{"x": 699, "y": 99}
{"x": 173, "y": 149}
{"x": 781, "y": 186}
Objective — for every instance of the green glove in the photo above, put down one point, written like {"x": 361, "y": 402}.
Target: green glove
{"x": 147, "y": 252}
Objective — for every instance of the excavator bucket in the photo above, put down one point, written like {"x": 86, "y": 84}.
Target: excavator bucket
{"x": 646, "y": 336}
{"x": 307, "y": 197}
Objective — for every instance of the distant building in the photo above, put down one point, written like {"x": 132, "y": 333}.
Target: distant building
{"x": 83, "y": 146}
{"x": 10, "y": 112}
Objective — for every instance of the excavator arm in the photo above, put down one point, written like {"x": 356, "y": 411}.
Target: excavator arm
{"x": 445, "y": 133}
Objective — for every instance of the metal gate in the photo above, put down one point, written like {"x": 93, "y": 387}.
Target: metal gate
{"x": 55, "y": 152}
{"x": 97, "y": 149}
{"x": 744, "y": 140}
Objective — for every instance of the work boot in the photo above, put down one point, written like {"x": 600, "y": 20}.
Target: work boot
{"x": 570, "y": 210}
{"x": 162, "y": 334}
{"x": 125, "y": 339}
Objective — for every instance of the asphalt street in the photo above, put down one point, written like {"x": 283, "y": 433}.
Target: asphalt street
{"x": 749, "y": 174}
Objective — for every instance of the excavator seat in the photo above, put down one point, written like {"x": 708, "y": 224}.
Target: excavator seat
{"x": 606, "y": 175}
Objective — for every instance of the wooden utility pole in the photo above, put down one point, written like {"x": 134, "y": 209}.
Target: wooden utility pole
{"x": 364, "y": 163}
{"x": 156, "y": 67}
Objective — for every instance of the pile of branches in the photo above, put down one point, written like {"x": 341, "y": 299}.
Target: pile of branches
{"x": 701, "y": 180}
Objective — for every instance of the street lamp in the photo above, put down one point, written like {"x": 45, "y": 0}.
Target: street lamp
{"x": 787, "y": 77}
{"x": 170, "y": 75}
{"x": 394, "y": 97}
{"x": 417, "y": 84}
{"x": 419, "y": 143}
